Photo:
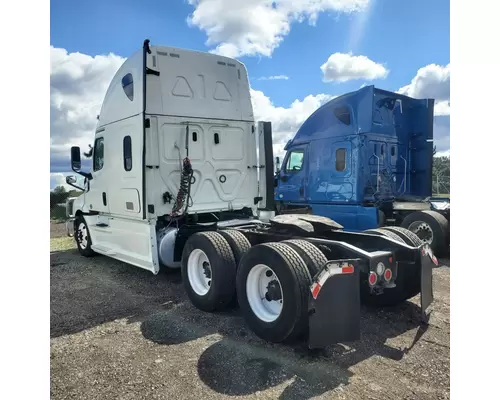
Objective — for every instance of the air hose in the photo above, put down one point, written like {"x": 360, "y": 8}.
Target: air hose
{"x": 184, "y": 194}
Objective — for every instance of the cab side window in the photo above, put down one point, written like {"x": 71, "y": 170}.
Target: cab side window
{"x": 295, "y": 160}
{"x": 341, "y": 159}
{"x": 98, "y": 154}
{"x": 127, "y": 153}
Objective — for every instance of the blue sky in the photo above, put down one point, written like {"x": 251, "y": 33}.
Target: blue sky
{"x": 289, "y": 39}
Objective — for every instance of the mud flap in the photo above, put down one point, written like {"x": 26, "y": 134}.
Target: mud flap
{"x": 334, "y": 304}
{"x": 427, "y": 261}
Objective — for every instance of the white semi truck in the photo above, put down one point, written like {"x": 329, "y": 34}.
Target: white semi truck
{"x": 175, "y": 183}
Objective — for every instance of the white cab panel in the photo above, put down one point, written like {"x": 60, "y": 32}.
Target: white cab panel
{"x": 124, "y": 161}
{"x": 198, "y": 85}
{"x": 224, "y": 173}
{"x": 116, "y": 105}
{"x": 127, "y": 240}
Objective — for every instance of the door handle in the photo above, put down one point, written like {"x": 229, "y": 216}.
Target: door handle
{"x": 104, "y": 200}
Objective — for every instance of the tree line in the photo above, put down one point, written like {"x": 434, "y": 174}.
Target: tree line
{"x": 441, "y": 175}
{"x": 59, "y": 195}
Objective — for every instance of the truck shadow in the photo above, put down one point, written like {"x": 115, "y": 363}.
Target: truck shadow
{"x": 239, "y": 363}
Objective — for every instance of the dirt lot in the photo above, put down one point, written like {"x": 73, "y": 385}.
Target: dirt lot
{"x": 118, "y": 332}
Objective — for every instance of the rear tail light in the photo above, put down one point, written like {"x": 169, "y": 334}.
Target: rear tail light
{"x": 372, "y": 278}
{"x": 387, "y": 275}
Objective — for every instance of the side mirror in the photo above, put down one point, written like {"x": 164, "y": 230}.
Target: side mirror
{"x": 76, "y": 161}
{"x": 277, "y": 161}
{"x": 71, "y": 180}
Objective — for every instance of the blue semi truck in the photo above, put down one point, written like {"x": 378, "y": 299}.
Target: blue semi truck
{"x": 365, "y": 160}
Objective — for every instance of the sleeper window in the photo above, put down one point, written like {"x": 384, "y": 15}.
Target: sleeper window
{"x": 340, "y": 159}
{"x": 128, "y": 86}
{"x": 343, "y": 115}
{"x": 295, "y": 161}
{"x": 98, "y": 154}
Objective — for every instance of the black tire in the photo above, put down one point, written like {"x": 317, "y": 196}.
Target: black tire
{"x": 312, "y": 256}
{"x": 223, "y": 271}
{"x": 437, "y": 223}
{"x": 407, "y": 285}
{"x": 408, "y": 236}
{"x": 239, "y": 245}
{"x": 292, "y": 273}
{"x": 82, "y": 237}
{"x": 381, "y": 232}
{"x": 238, "y": 242}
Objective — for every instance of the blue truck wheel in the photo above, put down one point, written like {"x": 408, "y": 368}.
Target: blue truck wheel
{"x": 431, "y": 227}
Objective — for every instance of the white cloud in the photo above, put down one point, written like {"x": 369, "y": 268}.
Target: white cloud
{"x": 285, "y": 121}
{"x": 78, "y": 83}
{"x": 59, "y": 179}
{"x": 274, "y": 78}
{"x": 252, "y": 27}
{"x": 431, "y": 81}
{"x": 342, "y": 67}
{"x": 442, "y": 108}
{"x": 443, "y": 153}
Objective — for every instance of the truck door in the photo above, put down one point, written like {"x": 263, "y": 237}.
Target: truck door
{"x": 293, "y": 175}
{"x": 340, "y": 184}
{"x": 97, "y": 197}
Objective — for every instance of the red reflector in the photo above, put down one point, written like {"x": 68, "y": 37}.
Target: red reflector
{"x": 390, "y": 260}
{"x": 372, "y": 279}
{"x": 316, "y": 289}
{"x": 388, "y": 274}
{"x": 348, "y": 270}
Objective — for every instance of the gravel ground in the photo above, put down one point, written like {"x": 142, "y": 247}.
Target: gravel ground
{"x": 120, "y": 332}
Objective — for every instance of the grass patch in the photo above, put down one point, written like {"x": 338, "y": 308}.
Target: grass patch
{"x": 62, "y": 244}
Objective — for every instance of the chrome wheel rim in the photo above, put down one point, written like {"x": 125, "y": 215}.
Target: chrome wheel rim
{"x": 422, "y": 230}
{"x": 199, "y": 272}
{"x": 264, "y": 293}
{"x": 82, "y": 235}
